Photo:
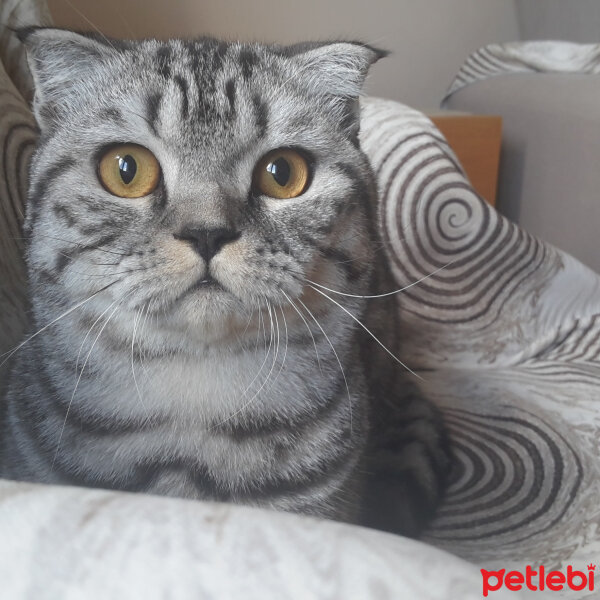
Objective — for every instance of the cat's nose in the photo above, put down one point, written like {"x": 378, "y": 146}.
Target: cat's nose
{"x": 207, "y": 242}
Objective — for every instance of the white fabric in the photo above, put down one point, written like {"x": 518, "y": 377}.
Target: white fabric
{"x": 75, "y": 544}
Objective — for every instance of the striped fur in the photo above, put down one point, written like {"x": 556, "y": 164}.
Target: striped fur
{"x": 265, "y": 390}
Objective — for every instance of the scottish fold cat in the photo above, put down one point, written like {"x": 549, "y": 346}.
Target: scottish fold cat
{"x": 204, "y": 271}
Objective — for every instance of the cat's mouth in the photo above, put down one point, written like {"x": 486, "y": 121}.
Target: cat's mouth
{"x": 207, "y": 290}
{"x": 206, "y": 283}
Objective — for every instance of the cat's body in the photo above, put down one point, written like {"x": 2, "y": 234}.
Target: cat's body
{"x": 193, "y": 350}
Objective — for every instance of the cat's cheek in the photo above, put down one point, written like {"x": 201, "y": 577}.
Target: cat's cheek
{"x": 173, "y": 269}
{"x": 250, "y": 275}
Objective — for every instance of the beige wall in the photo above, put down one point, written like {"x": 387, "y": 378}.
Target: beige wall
{"x": 429, "y": 38}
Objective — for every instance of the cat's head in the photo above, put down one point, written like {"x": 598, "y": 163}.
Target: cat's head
{"x": 195, "y": 180}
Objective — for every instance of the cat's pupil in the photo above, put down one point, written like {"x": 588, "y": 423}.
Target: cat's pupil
{"x": 280, "y": 169}
{"x": 127, "y": 168}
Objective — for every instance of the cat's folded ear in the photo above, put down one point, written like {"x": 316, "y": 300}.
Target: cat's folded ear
{"x": 335, "y": 72}
{"x": 60, "y": 61}
{"x": 334, "y": 68}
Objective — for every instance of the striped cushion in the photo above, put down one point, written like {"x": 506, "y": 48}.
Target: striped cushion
{"x": 527, "y": 57}
{"x": 505, "y": 331}
{"x": 17, "y": 138}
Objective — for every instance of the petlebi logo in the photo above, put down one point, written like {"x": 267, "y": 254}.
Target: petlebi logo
{"x": 538, "y": 579}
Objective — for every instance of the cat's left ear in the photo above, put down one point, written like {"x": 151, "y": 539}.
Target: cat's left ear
{"x": 60, "y": 62}
{"x": 335, "y": 73}
{"x": 336, "y": 69}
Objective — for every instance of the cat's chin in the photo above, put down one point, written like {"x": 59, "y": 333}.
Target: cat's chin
{"x": 207, "y": 315}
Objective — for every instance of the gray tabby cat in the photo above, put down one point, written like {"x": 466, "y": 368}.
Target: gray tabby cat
{"x": 196, "y": 211}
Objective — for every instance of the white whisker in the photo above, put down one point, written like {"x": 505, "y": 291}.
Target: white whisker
{"x": 406, "y": 287}
{"x": 271, "y": 339}
{"x": 368, "y": 331}
{"x": 83, "y": 16}
{"x": 141, "y": 348}
{"x": 62, "y": 430}
{"x": 90, "y": 331}
{"x": 10, "y": 353}
{"x": 336, "y": 357}
{"x": 307, "y": 327}
{"x": 137, "y": 387}
{"x": 286, "y": 345}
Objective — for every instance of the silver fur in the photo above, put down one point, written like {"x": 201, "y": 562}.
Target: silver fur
{"x": 254, "y": 391}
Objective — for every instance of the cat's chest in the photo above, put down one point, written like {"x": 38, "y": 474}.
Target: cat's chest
{"x": 229, "y": 419}
{"x": 204, "y": 391}
{"x": 227, "y": 409}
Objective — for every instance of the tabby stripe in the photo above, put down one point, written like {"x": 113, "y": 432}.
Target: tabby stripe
{"x": 64, "y": 213}
{"x": 230, "y": 93}
{"x": 322, "y": 413}
{"x": 183, "y": 88}
{"x": 247, "y": 60}
{"x": 391, "y": 463}
{"x": 220, "y": 50}
{"x": 163, "y": 59}
{"x": 48, "y": 176}
{"x": 112, "y": 114}
{"x": 27, "y": 427}
{"x": 361, "y": 193}
{"x": 261, "y": 116}
{"x": 40, "y": 187}
{"x": 78, "y": 417}
{"x": 343, "y": 260}
{"x": 152, "y": 109}
{"x": 66, "y": 256}
{"x": 283, "y": 485}
{"x": 91, "y": 204}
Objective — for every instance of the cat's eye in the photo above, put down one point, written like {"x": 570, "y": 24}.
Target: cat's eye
{"x": 129, "y": 171}
{"x": 282, "y": 173}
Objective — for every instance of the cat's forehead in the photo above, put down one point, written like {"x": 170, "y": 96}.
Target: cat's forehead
{"x": 208, "y": 81}
{"x": 188, "y": 87}
{"x": 203, "y": 81}
{"x": 206, "y": 95}
{"x": 211, "y": 71}
{"x": 207, "y": 56}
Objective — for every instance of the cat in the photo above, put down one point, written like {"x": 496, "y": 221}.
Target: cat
{"x": 202, "y": 256}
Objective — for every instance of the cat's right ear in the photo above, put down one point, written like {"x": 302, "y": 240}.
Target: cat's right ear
{"x": 60, "y": 62}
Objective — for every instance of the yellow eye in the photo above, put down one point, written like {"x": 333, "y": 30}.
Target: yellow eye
{"x": 282, "y": 173}
{"x": 129, "y": 171}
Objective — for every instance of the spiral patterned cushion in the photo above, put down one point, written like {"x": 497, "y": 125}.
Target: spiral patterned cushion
{"x": 505, "y": 332}
{"x": 17, "y": 137}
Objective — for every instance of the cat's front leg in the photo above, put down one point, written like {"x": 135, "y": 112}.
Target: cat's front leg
{"x": 407, "y": 461}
